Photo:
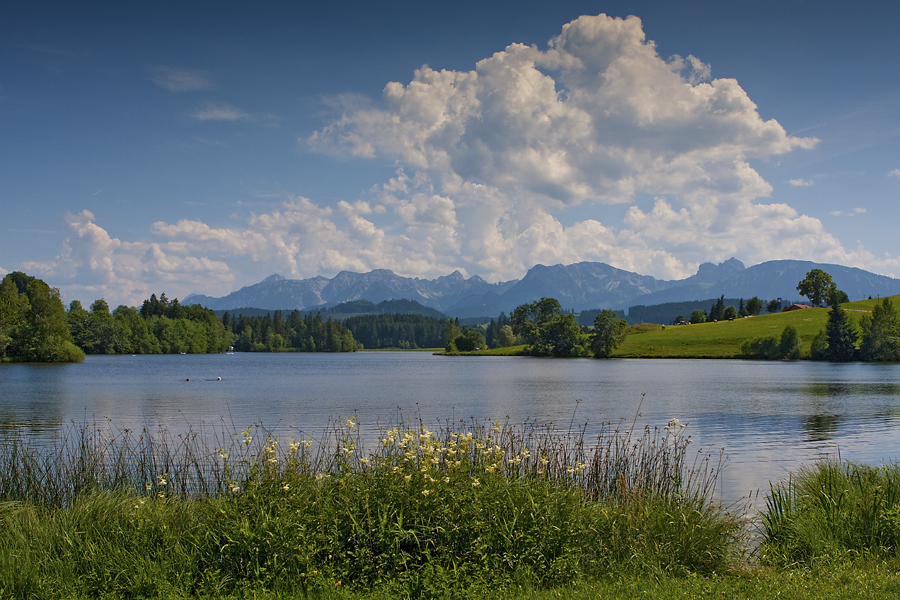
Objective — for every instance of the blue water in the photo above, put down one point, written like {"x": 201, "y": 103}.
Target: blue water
{"x": 770, "y": 418}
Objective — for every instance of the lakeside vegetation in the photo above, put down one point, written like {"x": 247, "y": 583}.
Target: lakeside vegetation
{"x": 469, "y": 509}
{"x": 468, "y": 506}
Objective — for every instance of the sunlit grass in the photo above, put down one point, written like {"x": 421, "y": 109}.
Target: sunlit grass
{"x": 413, "y": 510}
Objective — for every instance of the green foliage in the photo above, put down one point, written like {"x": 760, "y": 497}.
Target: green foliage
{"x": 765, "y": 348}
{"x": 841, "y": 335}
{"x": 773, "y": 306}
{"x": 13, "y": 307}
{"x": 609, "y": 332}
{"x": 298, "y": 333}
{"x": 880, "y": 333}
{"x": 819, "y": 348}
{"x": 397, "y": 331}
{"x": 667, "y": 312}
{"x": 546, "y": 329}
{"x": 419, "y": 514}
{"x": 787, "y": 346}
{"x": 160, "y": 326}
{"x": 470, "y": 338}
{"x": 717, "y": 311}
{"x": 817, "y": 286}
{"x": 698, "y": 316}
{"x": 831, "y": 510}
{"x": 506, "y": 338}
{"x": 729, "y": 314}
{"x": 754, "y": 306}
{"x": 33, "y": 326}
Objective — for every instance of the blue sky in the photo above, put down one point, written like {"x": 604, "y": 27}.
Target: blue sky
{"x": 200, "y": 147}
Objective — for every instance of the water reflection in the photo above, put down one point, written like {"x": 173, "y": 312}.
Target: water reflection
{"x": 770, "y": 418}
{"x": 820, "y": 428}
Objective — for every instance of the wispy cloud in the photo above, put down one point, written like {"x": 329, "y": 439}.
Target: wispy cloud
{"x": 895, "y": 173}
{"x": 220, "y": 112}
{"x": 800, "y": 182}
{"x": 181, "y": 80}
{"x": 850, "y": 213}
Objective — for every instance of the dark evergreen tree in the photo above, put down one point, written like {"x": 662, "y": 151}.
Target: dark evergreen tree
{"x": 841, "y": 335}
{"x": 880, "y": 334}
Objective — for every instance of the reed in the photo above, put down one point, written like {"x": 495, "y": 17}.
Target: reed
{"x": 831, "y": 510}
{"x": 411, "y": 508}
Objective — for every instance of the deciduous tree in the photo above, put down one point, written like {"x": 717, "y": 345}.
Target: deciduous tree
{"x": 609, "y": 332}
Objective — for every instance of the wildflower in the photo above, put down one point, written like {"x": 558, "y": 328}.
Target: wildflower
{"x": 426, "y": 492}
{"x": 475, "y": 482}
{"x": 149, "y": 486}
{"x": 161, "y": 479}
{"x": 446, "y": 480}
{"x": 350, "y": 423}
{"x": 407, "y": 478}
{"x": 364, "y": 460}
{"x": 286, "y": 487}
{"x": 235, "y": 488}
{"x": 544, "y": 460}
{"x": 294, "y": 445}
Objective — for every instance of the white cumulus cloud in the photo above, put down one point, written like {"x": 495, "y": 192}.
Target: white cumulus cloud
{"x": 598, "y": 115}
{"x": 489, "y": 161}
{"x": 895, "y": 173}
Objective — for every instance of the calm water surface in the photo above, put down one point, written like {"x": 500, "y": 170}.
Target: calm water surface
{"x": 770, "y": 418}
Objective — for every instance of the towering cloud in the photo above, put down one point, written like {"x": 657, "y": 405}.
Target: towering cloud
{"x": 502, "y": 167}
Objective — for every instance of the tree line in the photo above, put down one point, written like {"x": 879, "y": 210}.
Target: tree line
{"x": 33, "y": 326}
{"x": 297, "y": 332}
{"x": 404, "y": 331}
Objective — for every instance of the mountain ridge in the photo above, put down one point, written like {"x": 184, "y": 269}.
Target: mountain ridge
{"x": 578, "y": 286}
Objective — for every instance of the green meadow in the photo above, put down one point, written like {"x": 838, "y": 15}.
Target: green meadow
{"x": 722, "y": 339}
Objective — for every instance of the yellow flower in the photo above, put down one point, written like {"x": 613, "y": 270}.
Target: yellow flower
{"x": 475, "y": 483}
{"x": 350, "y": 423}
{"x": 426, "y": 492}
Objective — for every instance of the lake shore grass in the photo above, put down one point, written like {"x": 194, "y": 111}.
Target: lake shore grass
{"x": 467, "y": 507}
{"x": 468, "y": 510}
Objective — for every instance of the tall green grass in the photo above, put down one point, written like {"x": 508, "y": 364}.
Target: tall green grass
{"x": 413, "y": 510}
{"x": 832, "y": 510}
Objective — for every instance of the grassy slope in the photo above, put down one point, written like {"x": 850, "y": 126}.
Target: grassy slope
{"x": 716, "y": 340}
{"x": 724, "y": 339}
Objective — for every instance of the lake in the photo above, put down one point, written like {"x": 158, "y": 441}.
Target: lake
{"x": 770, "y": 417}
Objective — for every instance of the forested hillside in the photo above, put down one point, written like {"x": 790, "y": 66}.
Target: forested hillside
{"x": 298, "y": 333}
{"x": 397, "y": 331}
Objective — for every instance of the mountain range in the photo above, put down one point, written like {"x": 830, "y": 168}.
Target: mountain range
{"x": 579, "y": 286}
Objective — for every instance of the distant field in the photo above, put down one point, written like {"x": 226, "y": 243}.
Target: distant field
{"x": 724, "y": 339}
{"x": 717, "y": 340}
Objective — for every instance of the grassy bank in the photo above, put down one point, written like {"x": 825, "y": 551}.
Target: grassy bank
{"x": 469, "y": 509}
{"x": 716, "y": 340}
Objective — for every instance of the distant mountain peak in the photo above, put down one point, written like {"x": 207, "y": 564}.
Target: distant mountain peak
{"x": 271, "y": 278}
